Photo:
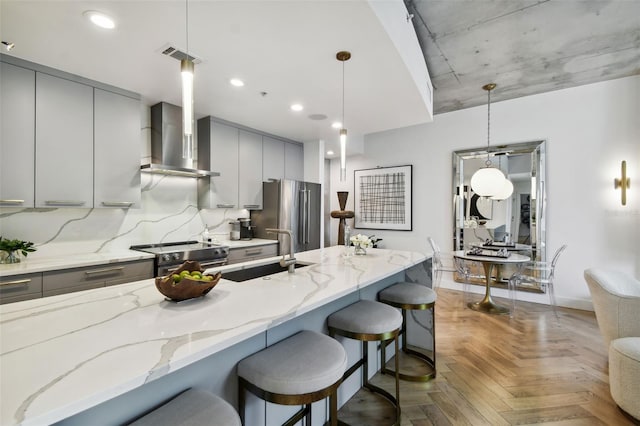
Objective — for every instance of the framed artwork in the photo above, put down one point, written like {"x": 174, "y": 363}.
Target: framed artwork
{"x": 383, "y": 198}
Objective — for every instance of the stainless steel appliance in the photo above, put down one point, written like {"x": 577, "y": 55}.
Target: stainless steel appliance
{"x": 293, "y": 205}
{"x": 169, "y": 256}
{"x": 166, "y": 144}
{"x": 246, "y": 230}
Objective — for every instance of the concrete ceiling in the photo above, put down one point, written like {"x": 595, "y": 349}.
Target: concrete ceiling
{"x": 525, "y": 46}
{"x": 286, "y": 49}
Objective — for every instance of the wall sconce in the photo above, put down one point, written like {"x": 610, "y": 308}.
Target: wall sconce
{"x": 623, "y": 183}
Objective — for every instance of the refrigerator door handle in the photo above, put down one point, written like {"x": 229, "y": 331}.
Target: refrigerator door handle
{"x": 303, "y": 217}
{"x": 307, "y": 216}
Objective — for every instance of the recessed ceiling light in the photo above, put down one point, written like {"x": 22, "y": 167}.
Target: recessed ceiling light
{"x": 330, "y": 152}
{"x": 236, "y": 82}
{"x": 100, "y": 19}
{"x": 297, "y": 107}
{"x": 336, "y": 125}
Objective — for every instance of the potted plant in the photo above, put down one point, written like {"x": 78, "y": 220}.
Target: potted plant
{"x": 13, "y": 248}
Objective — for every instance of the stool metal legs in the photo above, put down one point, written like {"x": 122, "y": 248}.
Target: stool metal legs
{"x": 364, "y": 363}
{"x": 302, "y": 399}
{"x": 431, "y": 362}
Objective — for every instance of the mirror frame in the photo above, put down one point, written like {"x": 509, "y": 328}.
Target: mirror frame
{"x": 538, "y": 180}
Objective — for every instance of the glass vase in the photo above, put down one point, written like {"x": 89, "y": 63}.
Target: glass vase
{"x": 359, "y": 250}
{"x": 10, "y": 257}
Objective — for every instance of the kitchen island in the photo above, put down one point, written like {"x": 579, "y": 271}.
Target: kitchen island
{"x": 119, "y": 351}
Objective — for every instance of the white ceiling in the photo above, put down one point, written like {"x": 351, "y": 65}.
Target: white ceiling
{"x": 284, "y": 48}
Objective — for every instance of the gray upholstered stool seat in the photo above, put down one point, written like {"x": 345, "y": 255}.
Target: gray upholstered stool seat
{"x": 412, "y": 296}
{"x": 299, "y": 370}
{"x": 624, "y": 374}
{"x": 194, "y": 407}
{"x": 366, "y": 321}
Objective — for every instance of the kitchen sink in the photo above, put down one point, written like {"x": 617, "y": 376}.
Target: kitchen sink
{"x": 257, "y": 272}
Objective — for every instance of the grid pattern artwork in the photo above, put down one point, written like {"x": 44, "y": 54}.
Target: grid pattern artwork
{"x": 383, "y": 198}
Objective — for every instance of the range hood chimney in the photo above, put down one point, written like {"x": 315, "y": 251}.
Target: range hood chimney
{"x": 166, "y": 144}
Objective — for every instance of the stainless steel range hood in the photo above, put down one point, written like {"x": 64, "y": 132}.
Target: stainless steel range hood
{"x": 166, "y": 144}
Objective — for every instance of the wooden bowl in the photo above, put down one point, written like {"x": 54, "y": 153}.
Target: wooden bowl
{"x": 187, "y": 288}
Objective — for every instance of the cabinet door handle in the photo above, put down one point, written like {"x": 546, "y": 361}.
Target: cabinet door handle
{"x": 104, "y": 271}
{"x": 12, "y": 202}
{"x": 252, "y": 252}
{"x": 226, "y": 206}
{"x": 118, "y": 203}
{"x": 64, "y": 203}
{"x": 251, "y": 206}
{"x": 16, "y": 282}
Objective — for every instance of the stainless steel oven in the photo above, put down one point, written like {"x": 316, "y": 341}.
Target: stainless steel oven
{"x": 169, "y": 256}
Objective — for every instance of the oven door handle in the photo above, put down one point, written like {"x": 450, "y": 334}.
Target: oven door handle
{"x": 220, "y": 262}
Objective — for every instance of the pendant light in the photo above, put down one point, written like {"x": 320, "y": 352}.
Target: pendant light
{"x": 343, "y": 56}
{"x": 507, "y": 187}
{"x": 186, "y": 71}
{"x": 488, "y": 180}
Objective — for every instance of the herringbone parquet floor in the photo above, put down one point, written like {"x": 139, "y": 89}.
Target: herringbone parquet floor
{"x": 496, "y": 370}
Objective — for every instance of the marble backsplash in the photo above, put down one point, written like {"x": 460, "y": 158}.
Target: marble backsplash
{"x": 169, "y": 213}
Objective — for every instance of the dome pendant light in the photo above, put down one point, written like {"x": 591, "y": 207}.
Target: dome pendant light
{"x": 488, "y": 181}
{"x": 343, "y": 56}
{"x": 186, "y": 71}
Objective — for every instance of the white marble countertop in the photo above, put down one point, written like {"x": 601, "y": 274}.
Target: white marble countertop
{"x": 32, "y": 264}
{"x": 42, "y": 264}
{"x": 57, "y": 353}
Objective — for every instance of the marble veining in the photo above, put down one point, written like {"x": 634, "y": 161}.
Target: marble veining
{"x": 168, "y": 212}
{"x": 64, "y": 354}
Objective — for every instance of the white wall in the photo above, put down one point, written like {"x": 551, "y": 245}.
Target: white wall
{"x": 589, "y": 130}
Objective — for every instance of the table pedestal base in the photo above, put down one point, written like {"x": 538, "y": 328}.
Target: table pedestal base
{"x": 488, "y": 307}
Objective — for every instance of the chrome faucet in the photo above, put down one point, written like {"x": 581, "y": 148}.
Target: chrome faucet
{"x": 290, "y": 263}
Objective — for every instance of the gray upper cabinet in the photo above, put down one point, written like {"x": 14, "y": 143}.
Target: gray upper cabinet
{"x": 272, "y": 159}
{"x": 293, "y": 161}
{"x": 250, "y": 170}
{"x": 17, "y": 136}
{"x": 218, "y": 150}
{"x": 117, "y": 150}
{"x": 64, "y": 143}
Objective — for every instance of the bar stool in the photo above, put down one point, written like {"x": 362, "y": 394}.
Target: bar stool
{"x": 193, "y": 407}
{"x": 412, "y": 297}
{"x": 298, "y": 370}
{"x": 367, "y": 321}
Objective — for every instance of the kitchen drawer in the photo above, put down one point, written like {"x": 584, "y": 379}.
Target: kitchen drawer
{"x": 58, "y": 282}
{"x": 244, "y": 254}
{"x": 20, "y": 287}
{"x": 134, "y": 271}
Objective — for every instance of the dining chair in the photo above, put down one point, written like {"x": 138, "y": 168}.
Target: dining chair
{"x": 456, "y": 265}
{"x": 537, "y": 273}
{"x": 437, "y": 265}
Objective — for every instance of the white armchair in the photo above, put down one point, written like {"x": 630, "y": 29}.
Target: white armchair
{"x": 616, "y": 301}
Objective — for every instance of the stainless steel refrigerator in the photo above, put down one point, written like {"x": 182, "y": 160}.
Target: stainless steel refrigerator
{"x": 293, "y": 205}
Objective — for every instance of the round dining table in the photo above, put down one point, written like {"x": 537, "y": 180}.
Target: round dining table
{"x": 488, "y": 262}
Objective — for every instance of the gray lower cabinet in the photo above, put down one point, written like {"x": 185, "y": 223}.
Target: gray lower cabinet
{"x": 64, "y": 141}
{"x": 17, "y": 136}
{"x": 117, "y": 150}
{"x": 244, "y": 254}
{"x": 16, "y": 288}
{"x": 77, "y": 279}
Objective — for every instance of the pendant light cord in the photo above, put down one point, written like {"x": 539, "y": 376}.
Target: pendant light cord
{"x": 488, "y": 162}
{"x": 343, "y": 126}
{"x": 187, "y": 26}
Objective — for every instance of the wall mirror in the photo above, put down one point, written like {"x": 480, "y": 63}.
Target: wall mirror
{"x": 519, "y": 218}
